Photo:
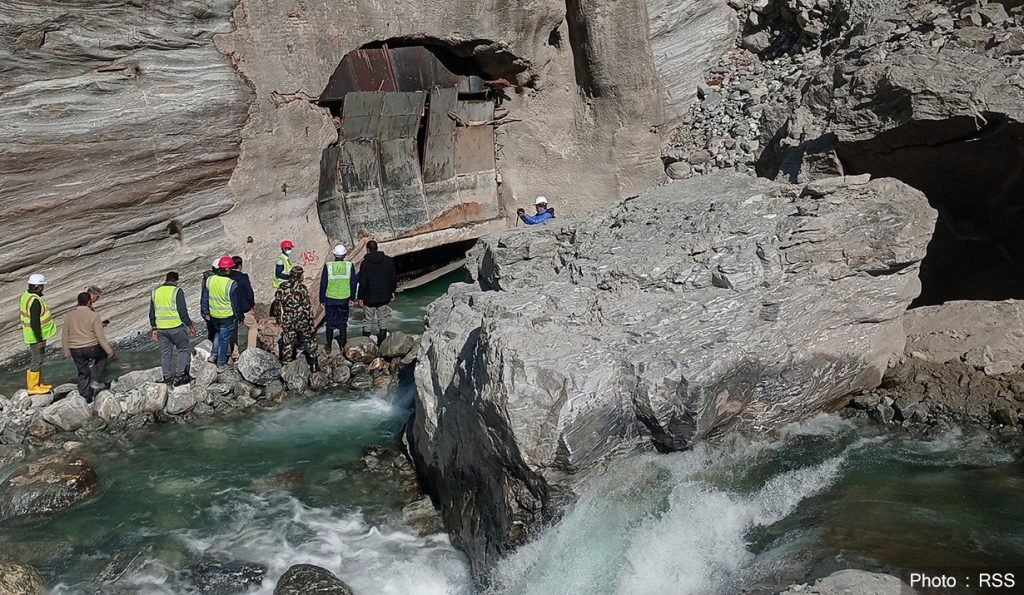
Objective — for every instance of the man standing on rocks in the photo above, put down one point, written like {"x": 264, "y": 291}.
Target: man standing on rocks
{"x": 221, "y": 306}
{"x": 284, "y": 263}
{"x": 86, "y": 344}
{"x": 378, "y": 281}
{"x": 296, "y": 319}
{"x": 248, "y": 304}
{"x": 337, "y": 289}
{"x": 211, "y": 330}
{"x": 37, "y": 326}
{"x": 168, "y": 317}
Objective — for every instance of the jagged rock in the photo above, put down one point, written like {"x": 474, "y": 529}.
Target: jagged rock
{"x": 69, "y": 413}
{"x": 107, "y": 406}
{"x": 203, "y": 373}
{"x": 423, "y": 516}
{"x": 274, "y": 389}
{"x": 258, "y": 366}
{"x": 613, "y": 336}
{"x": 47, "y": 485}
{"x": 306, "y": 579}
{"x": 973, "y": 38}
{"x": 136, "y": 380}
{"x": 229, "y": 376}
{"x": 361, "y": 349}
{"x": 1005, "y": 416}
{"x": 40, "y": 401}
{"x": 180, "y": 400}
{"x": 678, "y": 170}
{"x": 852, "y": 582}
{"x": 222, "y": 577}
{"x": 976, "y": 332}
{"x": 342, "y": 374}
{"x": 993, "y": 13}
{"x": 295, "y": 374}
{"x": 41, "y": 430}
{"x": 319, "y": 380}
{"x": 20, "y": 579}
{"x": 19, "y": 395}
{"x": 883, "y": 413}
{"x": 63, "y": 389}
{"x": 201, "y": 353}
{"x": 757, "y": 42}
{"x": 397, "y": 344}
{"x": 150, "y": 398}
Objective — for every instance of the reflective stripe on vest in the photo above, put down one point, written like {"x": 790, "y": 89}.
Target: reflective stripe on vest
{"x": 339, "y": 275}
{"x": 165, "y": 307}
{"x": 282, "y": 260}
{"x": 219, "y": 295}
{"x": 46, "y": 323}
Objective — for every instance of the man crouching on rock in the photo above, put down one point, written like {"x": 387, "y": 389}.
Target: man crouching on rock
{"x": 297, "y": 330}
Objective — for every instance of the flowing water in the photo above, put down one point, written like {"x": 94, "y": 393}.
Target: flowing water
{"x": 286, "y": 486}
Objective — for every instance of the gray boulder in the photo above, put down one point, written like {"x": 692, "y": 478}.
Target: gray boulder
{"x": 258, "y": 366}
{"x": 397, "y": 344}
{"x": 295, "y": 374}
{"x": 108, "y": 406}
{"x": 180, "y": 400}
{"x": 720, "y": 302}
{"x": 361, "y": 349}
{"x": 64, "y": 389}
{"x": 304, "y": 579}
{"x": 20, "y": 579}
{"x": 47, "y": 485}
{"x": 852, "y": 582}
{"x": 150, "y": 398}
{"x": 136, "y": 379}
{"x": 341, "y": 374}
{"x": 69, "y": 413}
{"x": 203, "y": 373}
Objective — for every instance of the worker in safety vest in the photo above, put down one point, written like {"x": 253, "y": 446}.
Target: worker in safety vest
{"x": 337, "y": 292}
{"x": 221, "y": 307}
{"x": 284, "y": 264}
{"x": 169, "y": 319}
{"x": 37, "y": 326}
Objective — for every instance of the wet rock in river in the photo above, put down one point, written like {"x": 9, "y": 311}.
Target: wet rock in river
{"x": 107, "y": 406}
{"x": 224, "y": 577}
{"x": 296, "y": 374}
{"x": 47, "y": 485}
{"x": 258, "y": 366}
{"x": 397, "y": 344}
{"x": 306, "y": 579}
{"x": 180, "y": 400}
{"x": 20, "y": 579}
{"x": 361, "y": 349}
{"x": 149, "y": 398}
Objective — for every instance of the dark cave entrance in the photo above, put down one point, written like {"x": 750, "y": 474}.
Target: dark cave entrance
{"x": 974, "y": 176}
{"x": 416, "y": 156}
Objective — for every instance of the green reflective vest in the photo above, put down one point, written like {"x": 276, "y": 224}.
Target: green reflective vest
{"x": 282, "y": 260}
{"x": 339, "y": 278}
{"x": 165, "y": 307}
{"x": 219, "y": 291}
{"x": 46, "y": 323}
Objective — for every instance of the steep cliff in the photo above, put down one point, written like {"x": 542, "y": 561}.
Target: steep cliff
{"x": 721, "y": 302}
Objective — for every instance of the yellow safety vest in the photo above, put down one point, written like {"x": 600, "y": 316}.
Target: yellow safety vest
{"x": 165, "y": 307}
{"x": 282, "y": 260}
{"x": 219, "y": 295}
{"x": 339, "y": 275}
{"x": 46, "y": 323}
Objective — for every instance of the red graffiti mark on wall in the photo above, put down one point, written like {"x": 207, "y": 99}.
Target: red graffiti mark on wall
{"x": 309, "y": 257}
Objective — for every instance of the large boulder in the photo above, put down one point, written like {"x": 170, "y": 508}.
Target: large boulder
{"x": 107, "y": 406}
{"x": 136, "y": 379}
{"x": 20, "y": 579}
{"x": 259, "y": 366}
{"x": 852, "y": 582}
{"x": 720, "y": 302}
{"x": 397, "y": 344}
{"x": 180, "y": 400}
{"x": 305, "y": 579}
{"x": 150, "y": 398}
{"x": 361, "y": 349}
{"x": 69, "y": 413}
{"x": 46, "y": 486}
{"x": 295, "y": 374}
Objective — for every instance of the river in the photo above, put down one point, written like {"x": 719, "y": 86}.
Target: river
{"x": 286, "y": 485}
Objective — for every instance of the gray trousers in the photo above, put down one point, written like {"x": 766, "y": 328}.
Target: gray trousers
{"x": 173, "y": 342}
{"x": 375, "y": 319}
{"x": 37, "y": 351}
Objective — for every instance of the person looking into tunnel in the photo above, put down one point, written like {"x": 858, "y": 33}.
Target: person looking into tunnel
{"x": 337, "y": 290}
{"x": 378, "y": 282}
{"x": 543, "y": 212}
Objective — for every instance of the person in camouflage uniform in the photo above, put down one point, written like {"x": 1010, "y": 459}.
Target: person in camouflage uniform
{"x": 296, "y": 318}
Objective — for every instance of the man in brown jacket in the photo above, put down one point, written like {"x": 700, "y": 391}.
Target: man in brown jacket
{"x": 85, "y": 342}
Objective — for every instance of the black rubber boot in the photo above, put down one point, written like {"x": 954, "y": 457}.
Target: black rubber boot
{"x": 381, "y": 335}
{"x": 314, "y": 363}
{"x": 330, "y": 340}
{"x": 342, "y": 339}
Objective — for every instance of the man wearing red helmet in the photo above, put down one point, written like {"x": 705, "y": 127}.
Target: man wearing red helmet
{"x": 284, "y": 263}
{"x": 221, "y": 306}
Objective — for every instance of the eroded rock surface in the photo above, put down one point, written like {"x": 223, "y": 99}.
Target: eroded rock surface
{"x": 20, "y": 579}
{"x": 702, "y": 305}
{"x": 46, "y": 486}
{"x": 307, "y": 579}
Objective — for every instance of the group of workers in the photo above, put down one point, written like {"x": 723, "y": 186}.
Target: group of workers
{"x": 227, "y": 300}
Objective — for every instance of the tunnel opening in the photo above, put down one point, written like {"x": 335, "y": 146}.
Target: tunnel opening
{"x": 415, "y": 164}
{"x": 973, "y": 174}
{"x": 423, "y": 266}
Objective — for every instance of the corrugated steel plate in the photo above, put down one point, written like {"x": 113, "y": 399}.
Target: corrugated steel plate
{"x": 361, "y": 116}
{"x": 439, "y": 153}
{"x": 401, "y": 115}
{"x": 403, "y": 192}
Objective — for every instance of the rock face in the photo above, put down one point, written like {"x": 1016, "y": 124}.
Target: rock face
{"x": 46, "y": 486}
{"x": 20, "y": 579}
{"x": 705, "y": 304}
{"x": 986, "y": 335}
{"x": 306, "y": 579}
{"x": 225, "y": 142}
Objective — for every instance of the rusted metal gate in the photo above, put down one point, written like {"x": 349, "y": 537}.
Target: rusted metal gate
{"x": 374, "y": 183}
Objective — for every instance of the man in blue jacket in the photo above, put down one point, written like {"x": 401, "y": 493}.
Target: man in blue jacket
{"x": 247, "y": 301}
{"x": 543, "y": 212}
{"x": 338, "y": 284}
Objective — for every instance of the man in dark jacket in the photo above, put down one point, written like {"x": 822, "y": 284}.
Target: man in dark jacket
{"x": 246, "y": 301}
{"x": 378, "y": 281}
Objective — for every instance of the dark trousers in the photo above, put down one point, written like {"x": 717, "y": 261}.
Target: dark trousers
{"x": 336, "y": 319}
{"x": 91, "y": 362}
{"x": 175, "y": 353}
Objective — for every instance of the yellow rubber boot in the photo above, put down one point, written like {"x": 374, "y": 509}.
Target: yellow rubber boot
{"x": 34, "y": 388}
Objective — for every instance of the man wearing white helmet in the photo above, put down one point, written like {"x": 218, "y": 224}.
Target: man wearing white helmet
{"x": 337, "y": 292}
{"x": 37, "y": 326}
{"x": 543, "y": 212}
